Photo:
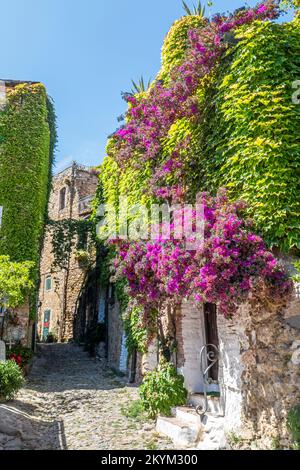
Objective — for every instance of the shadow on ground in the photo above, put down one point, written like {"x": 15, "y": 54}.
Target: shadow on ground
{"x": 62, "y": 367}
{"x": 19, "y": 430}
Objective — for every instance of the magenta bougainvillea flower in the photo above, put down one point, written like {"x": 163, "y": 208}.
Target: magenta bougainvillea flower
{"x": 150, "y": 118}
{"x": 232, "y": 261}
{"x": 223, "y": 269}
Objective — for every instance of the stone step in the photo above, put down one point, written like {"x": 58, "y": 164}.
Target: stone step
{"x": 214, "y": 436}
{"x": 214, "y": 403}
{"x": 180, "y": 432}
{"x": 188, "y": 415}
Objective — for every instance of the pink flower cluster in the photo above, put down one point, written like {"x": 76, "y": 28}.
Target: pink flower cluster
{"x": 149, "y": 119}
{"x": 224, "y": 269}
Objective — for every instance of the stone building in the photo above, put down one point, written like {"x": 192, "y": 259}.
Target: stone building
{"x": 60, "y": 287}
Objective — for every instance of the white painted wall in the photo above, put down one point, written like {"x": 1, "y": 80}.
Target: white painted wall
{"x": 193, "y": 333}
{"x": 123, "y": 355}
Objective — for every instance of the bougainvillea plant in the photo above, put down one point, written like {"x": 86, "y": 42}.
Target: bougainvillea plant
{"x": 225, "y": 268}
{"x": 149, "y": 119}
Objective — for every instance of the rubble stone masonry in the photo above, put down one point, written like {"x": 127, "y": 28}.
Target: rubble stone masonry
{"x": 71, "y": 195}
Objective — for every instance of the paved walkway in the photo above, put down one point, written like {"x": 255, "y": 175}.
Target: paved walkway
{"x": 74, "y": 402}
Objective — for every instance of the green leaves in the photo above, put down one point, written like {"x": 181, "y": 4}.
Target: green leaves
{"x": 293, "y": 424}
{"x": 15, "y": 282}
{"x": 140, "y": 86}
{"x": 26, "y": 152}
{"x": 249, "y": 138}
{"x": 11, "y": 379}
{"x": 196, "y": 10}
{"x": 162, "y": 389}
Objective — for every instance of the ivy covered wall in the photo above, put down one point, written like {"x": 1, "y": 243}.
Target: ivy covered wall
{"x": 248, "y": 138}
{"x": 27, "y": 143}
{"x": 219, "y": 114}
{"x": 244, "y": 137}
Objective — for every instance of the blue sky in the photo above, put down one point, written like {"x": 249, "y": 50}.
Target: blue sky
{"x": 86, "y": 53}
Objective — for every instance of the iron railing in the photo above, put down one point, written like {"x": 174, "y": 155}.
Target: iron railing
{"x": 209, "y": 357}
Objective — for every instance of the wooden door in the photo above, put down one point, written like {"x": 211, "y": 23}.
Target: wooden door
{"x": 211, "y": 333}
{"x": 46, "y": 324}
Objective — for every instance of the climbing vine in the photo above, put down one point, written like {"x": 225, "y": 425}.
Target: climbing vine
{"x": 219, "y": 114}
{"x": 248, "y": 138}
{"x": 24, "y": 170}
{"x": 68, "y": 234}
{"x": 27, "y": 146}
{"x": 224, "y": 269}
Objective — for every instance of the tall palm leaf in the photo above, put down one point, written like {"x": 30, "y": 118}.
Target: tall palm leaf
{"x": 197, "y": 10}
{"x": 140, "y": 86}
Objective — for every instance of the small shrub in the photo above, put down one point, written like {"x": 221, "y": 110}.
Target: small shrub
{"x": 293, "y": 423}
{"x": 133, "y": 410}
{"x": 11, "y": 379}
{"x": 162, "y": 389}
{"x": 234, "y": 440}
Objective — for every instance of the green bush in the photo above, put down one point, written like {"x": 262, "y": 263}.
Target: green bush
{"x": 162, "y": 389}
{"x": 11, "y": 379}
{"x": 134, "y": 410}
{"x": 293, "y": 423}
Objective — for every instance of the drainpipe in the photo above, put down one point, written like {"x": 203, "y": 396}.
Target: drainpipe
{"x": 66, "y": 280}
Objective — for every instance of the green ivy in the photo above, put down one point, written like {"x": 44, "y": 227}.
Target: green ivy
{"x": 249, "y": 130}
{"x": 67, "y": 234}
{"x": 296, "y": 277}
{"x": 24, "y": 171}
{"x": 27, "y": 145}
{"x": 176, "y": 43}
{"x": 136, "y": 334}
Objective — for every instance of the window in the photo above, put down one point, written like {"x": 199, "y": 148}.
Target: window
{"x": 48, "y": 283}
{"x": 62, "y": 199}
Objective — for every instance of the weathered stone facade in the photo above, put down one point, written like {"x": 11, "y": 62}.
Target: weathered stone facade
{"x": 115, "y": 348}
{"x": 259, "y": 373}
{"x": 72, "y": 192}
{"x": 18, "y": 327}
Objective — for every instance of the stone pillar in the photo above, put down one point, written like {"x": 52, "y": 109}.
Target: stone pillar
{"x": 2, "y": 351}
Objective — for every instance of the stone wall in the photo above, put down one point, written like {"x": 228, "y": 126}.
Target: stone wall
{"x": 115, "y": 337}
{"x": 259, "y": 373}
{"x": 271, "y": 374}
{"x": 19, "y": 329}
{"x": 80, "y": 184}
